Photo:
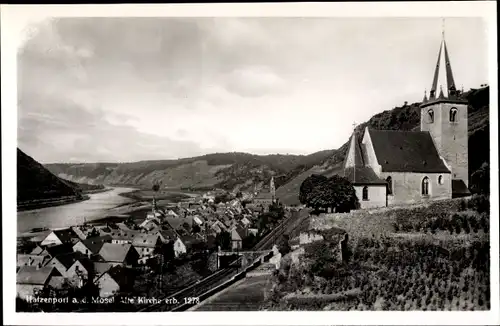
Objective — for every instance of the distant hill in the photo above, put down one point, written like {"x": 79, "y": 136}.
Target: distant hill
{"x": 34, "y": 182}
{"x": 246, "y": 171}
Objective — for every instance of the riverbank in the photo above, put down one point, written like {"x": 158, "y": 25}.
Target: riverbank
{"x": 43, "y": 203}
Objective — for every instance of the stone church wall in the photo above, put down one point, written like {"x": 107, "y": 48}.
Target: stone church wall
{"x": 376, "y": 196}
{"x": 407, "y": 187}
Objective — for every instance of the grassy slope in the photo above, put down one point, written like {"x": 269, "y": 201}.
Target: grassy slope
{"x": 233, "y": 170}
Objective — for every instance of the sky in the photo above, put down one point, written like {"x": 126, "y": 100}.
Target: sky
{"x": 130, "y": 89}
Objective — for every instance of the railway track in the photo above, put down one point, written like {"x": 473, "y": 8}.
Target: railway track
{"x": 193, "y": 291}
{"x": 181, "y": 298}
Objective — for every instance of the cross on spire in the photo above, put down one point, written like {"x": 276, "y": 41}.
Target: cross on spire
{"x": 450, "y": 81}
{"x": 443, "y": 28}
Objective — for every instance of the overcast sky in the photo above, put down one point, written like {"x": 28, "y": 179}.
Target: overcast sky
{"x": 129, "y": 89}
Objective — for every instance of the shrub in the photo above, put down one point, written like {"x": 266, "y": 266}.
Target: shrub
{"x": 479, "y": 203}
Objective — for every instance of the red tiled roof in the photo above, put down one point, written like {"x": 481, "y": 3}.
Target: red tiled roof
{"x": 406, "y": 151}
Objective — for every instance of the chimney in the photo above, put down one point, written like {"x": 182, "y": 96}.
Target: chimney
{"x": 38, "y": 266}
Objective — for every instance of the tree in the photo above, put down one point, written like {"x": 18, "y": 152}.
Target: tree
{"x": 336, "y": 192}
{"x": 92, "y": 234}
{"x": 249, "y": 241}
{"x": 196, "y": 228}
{"x": 480, "y": 180}
{"x": 283, "y": 246}
{"x": 307, "y": 187}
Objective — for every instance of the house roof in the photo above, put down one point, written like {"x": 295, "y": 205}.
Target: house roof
{"x": 125, "y": 235}
{"x": 37, "y": 250}
{"x": 406, "y": 151}
{"x": 34, "y": 275}
{"x": 115, "y": 252}
{"x": 168, "y": 234}
{"x": 67, "y": 235}
{"x": 95, "y": 244}
{"x": 67, "y": 260}
{"x": 189, "y": 241}
{"x": 177, "y": 222}
{"x": 458, "y": 188}
{"x": 79, "y": 232}
{"x": 57, "y": 250}
{"x": 101, "y": 267}
{"x": 145, "y": 240}
{"x": 31, "y": 260}
{"x": 362, "y": 175}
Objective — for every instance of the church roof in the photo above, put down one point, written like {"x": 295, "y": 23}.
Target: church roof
{"x": 362, "y": 175}
{"x": 406, "y": 151}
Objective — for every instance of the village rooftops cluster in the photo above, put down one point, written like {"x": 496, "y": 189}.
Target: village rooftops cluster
{"x": 85, "y": 253}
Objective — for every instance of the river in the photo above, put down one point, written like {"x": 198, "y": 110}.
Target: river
{"x": 96, "y": 207}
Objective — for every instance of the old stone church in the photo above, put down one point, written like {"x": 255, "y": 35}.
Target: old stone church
{"x": 390, "y": 167}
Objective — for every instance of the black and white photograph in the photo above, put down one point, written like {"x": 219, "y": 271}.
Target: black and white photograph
{"x": 251, "y": 162}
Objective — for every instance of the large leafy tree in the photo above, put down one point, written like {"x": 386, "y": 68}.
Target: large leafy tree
{"x": 480, "y": 180}
{"x": 321, "y": 192}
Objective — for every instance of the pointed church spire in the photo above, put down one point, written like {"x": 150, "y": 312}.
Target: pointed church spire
{"x": 425, "y": 97}
{"x": 449, "y": 74}
{"x": 432, "y": 94}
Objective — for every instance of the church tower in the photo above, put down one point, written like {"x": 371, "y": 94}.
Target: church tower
{"x": 272, "y": 190}
{"x": 445, "y": 117}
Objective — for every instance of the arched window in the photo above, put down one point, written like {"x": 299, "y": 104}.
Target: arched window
{"x": 425, "y": 186}
{"x": 431, "y": 115}
{"x": 365, "y": 193}
{"x": 440, "y": 179}
{"x": 453, "y": 114}
{"x": 389, "y": 185}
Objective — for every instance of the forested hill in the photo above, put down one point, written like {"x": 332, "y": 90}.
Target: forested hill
{"x": 246, "y": 171}
{"x": 35, "y": 182}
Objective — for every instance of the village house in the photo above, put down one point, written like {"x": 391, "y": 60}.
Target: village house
{"x": 31, "y": 279}
{"x": 80, "y": 231}
{"x": 167, "y": 235}
{"x": 185, "y": 244}
{"x": 391, "y": 167}
{"x": 237, "y": 236}
{"x": 124, "y": 237}
{"x": 59, "y": 237}
{"x": 100, "y": 267}
{"x": 114, "y": 281}
{"x": 91, "y": 246}
{"x": 146, "y": 244}
{"x": 119, "y": 254}
{"x": 75, "y": 267}
{"x": 149, "y": 224}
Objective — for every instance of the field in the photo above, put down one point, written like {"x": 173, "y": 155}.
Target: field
{"x": 422, "y": 258}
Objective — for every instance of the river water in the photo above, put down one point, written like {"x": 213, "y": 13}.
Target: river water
{"x": 96, "y": 207}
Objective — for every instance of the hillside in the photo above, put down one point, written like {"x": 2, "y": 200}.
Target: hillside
{"x": 245, "y": 171}
{"x": 34, "y": 182}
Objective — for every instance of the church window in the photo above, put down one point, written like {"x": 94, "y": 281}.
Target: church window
{"x": 431, "y": 115}
{"x": 453, "y": 114}
{"x": 425, "y": 186}
{"x": 389, "y": 185}
{"x": 365, "y": 193}
{"x": 440, "y": 179}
